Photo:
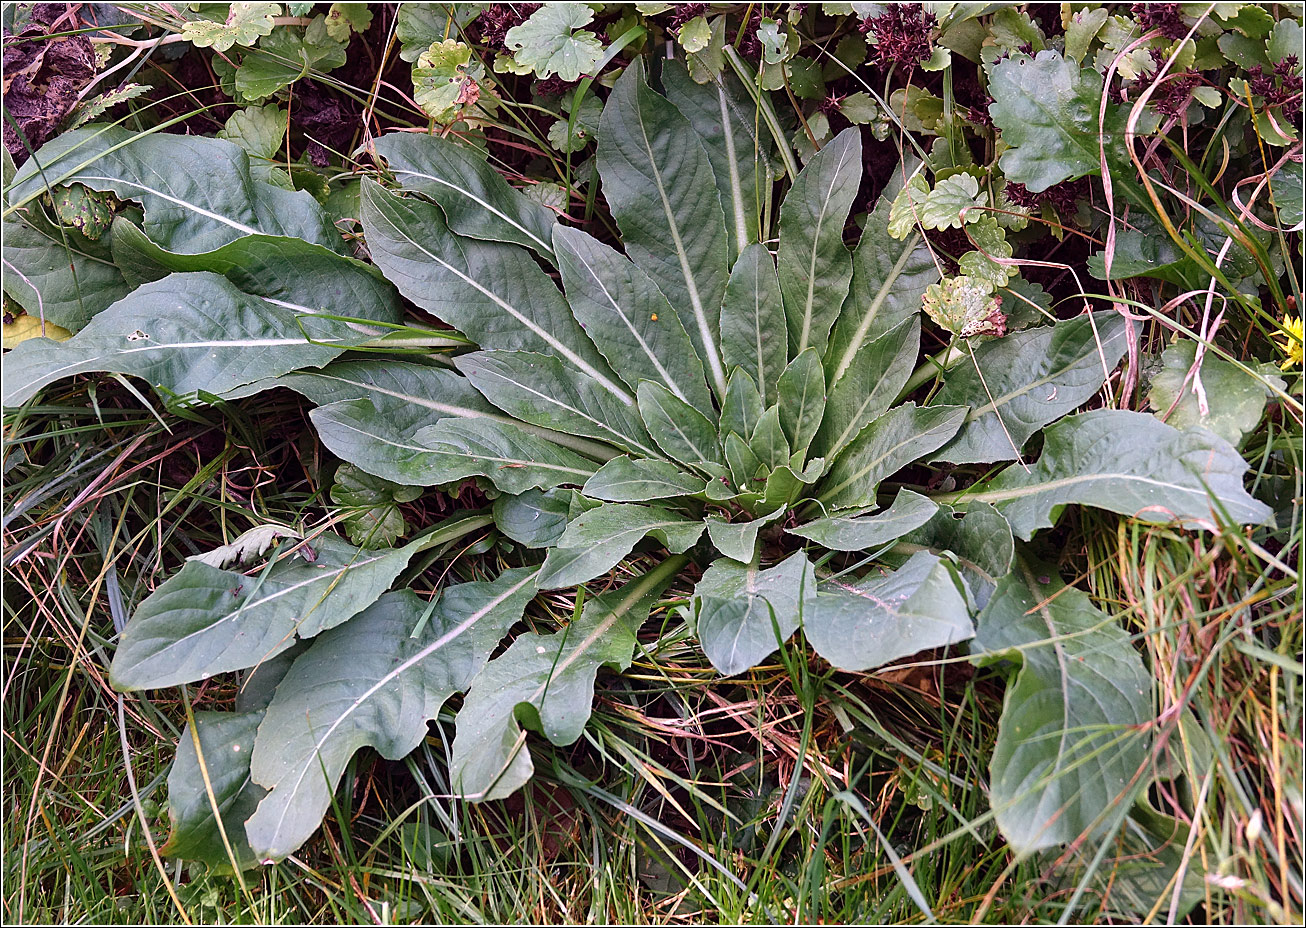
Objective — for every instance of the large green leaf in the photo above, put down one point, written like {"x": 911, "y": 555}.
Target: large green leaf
{"x": 908, "y": 512}
{"x": 869, "y": 387}
{"x": 802, "y": 399}
{"x": 290, "y": 272}
{"x": 627, "y": 480}
{"x": 539, "y": 389}
{"x": 1030, "y": 378}
{"x": 742, "y": 408}
{"x": 197, "y": 192}
{"x": 597, "y": 540}
{"x": 420, "y": 446}
{"x": 679, "y": 429}
{"x": 894, "y": 440}
{"x": 547, "y": 683}
{"x": 745, "y": 613}
{"x": 1234, "y": 399}
{"x": 659, "y": 183}
{"x": 889, "y": 279}
{"x": 390, "y": 383}
{"x": 752, "y": 318}
{"x": 64, "y": 283}
{"x": 184, "y": 333}
{"x": 628, "y": 319}
{"x": 224, "y": 741}
{"x": 813, "y": 264}
{"x": 727, "y": 120}
{"x": 979, "y": 540}
{"x": 373, "y": 682}
{"x": 884, "y": 617}
{"x": 1126, "y": 462}
{"x": 492, "y": 292}
{"x": 204, "y": 621}
{"x": 1071, "y": 740}
{"x": 738, "y": 540}
{"x": 476, "y": 200}
{"x": 1048, "y": 111}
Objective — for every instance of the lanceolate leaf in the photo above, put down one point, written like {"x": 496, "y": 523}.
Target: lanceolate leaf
{"x": 738, "y": 540}
{"x": 539, "y": 389}
{"x": 197, "y": 192}
{"x": 679, "y": 429}
{"x": 802, "y": 399}
{"x": 814, "y": 266}
{"x": 1030, "y": 378}
{"x": 548, "y": 681}
{"x": 184, "y": 333}
{"x": 512, "y": 459}
{"x": 745, "y": 613}
{"x": 1071, "y": 743}
{"x": 889, "y": 278}
{"x": 492, "y": 292}
{"x": 726, "y": 119}
{"x": 660, "y": 185}
{"x": 628, "y": 319}
{"x": 884, "y": 447}
{"x": 742, "y": 407}
{"x": 597, "y": 541}
{"x": 225, "y": 741}
{"x": 769, "y": 441}
{"x": 884, "y": 617}
{"x": 627, "y": 480}
{"x": 909, "y": 511}
{"x": 869, "y": 387}
{"x": 476, "y": 200}
{"x": 1126, "y": 462}
{"x": 66, "y": 284}
{"x": 204, "y": 621}
{"x": 752, "y": 318}
{"x": 370, "y": 683}
{"x": 289, "y": 272}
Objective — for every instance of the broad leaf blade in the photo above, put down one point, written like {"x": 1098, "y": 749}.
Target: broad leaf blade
{"x": 802, "y": 399}
{"x": 1070, "y": 741}
{"x": 908, "y": 512}
{"x": 184, "y": 333}
{"x": 476, "y": 200}
{"x": 597, "y": 540}
{"x": 679, "y": 429}
{"x": 878, "y": 373}
{"x": 869, "y": 623}
{"x": 1130, "y": 463}
{"x": 978, "y": 540}
{"x": 627, "y": 480}
{"x": 548, "y": 679}
{"x": 660, "y": 185}
{"x": 813, "y": 264}
{"x": 1030, "y": 378}
{"x": 204, "y": 621}
{"x": 492, "y": 292}
{"x": 742, "y": 408}
{"x": 628, "y": 319}
{"x": 370, "y": 683}
{"x": 742, "y": 607}
{"x": 738, "y": 540}
{"x": 894, "y": 440}
{"x": 752, "y": 318}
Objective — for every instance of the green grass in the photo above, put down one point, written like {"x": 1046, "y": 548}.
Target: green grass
{"x": 790, "y": 793}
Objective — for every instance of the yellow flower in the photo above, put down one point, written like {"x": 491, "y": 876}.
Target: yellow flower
{"x": 1292, "y": 341}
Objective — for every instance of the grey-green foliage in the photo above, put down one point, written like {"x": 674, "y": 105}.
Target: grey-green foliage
{"x": 695, "y": 397}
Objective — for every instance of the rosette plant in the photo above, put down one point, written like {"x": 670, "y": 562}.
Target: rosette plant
{"x": 721, "y": 400}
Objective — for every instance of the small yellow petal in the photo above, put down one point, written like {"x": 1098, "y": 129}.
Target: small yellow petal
{"x": 25, "y": 327}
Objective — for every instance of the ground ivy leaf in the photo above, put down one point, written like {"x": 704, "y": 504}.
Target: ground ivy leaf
{"x": 1033, "y": 377}
{"x": 371, "y": 506}
{"x": 1130, "y": 463}
{"x": 1047, "y": 108}
{"x": 370, "y": 683}
{"x": 547, "y": 682}
{"x": 552, "y": 41}
{"x": 597, "y": 540}
{"x": 245, "y": 24}
{"x": 883, "y": 617}
{"x": 947, "y": 204}
{"x": 861, "y": 531}
{"x": 742, "y": 607}
{"x": 1071, "y": 739}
